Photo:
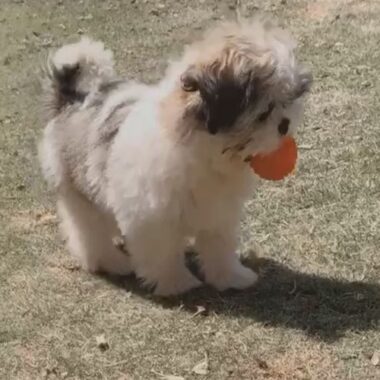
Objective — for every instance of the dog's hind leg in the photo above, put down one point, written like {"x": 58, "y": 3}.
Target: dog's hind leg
{"x": 89, "y": 233}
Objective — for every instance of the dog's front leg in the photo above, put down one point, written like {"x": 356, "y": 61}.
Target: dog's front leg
{"x": 220, "y": 263}
{"x": 157, "y": 256}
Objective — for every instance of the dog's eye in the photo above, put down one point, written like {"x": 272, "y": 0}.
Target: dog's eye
{"x": 189, "y": 84}
{"x": 263, "y": 116}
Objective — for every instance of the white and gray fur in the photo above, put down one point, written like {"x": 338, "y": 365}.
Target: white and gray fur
{"x": 166, "y": 163}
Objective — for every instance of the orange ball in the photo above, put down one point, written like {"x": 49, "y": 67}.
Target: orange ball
{"x": 278, "y": 164}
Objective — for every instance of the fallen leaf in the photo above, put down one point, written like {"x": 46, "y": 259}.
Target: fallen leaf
{"x": 102, "y": 343}
{"x": 294, "y": 288}
{"x": 200, "y": 310}
{"x": 49, "y": 371}
{"x": 305, "y": 147}
{"x": 375, "y": 360}
{"x": 202, "y": 367}
{"x": 168, "y": 377}
{"x": 44, "y": 218}
{"x": 262, "y": 363}
{"x": 71, "y": 267}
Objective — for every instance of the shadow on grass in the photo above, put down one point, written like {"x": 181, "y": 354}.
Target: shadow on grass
{"x": 322, "y": 307}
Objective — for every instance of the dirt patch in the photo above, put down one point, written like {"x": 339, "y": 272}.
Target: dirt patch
{"x": 310, "y": 361}
{"x": 31, "y": 219}
{"x": 319, "y": 10}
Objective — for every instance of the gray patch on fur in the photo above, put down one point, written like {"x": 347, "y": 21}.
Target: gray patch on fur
{"x": 114, "y": 119}
{"x": 112, "y": 85}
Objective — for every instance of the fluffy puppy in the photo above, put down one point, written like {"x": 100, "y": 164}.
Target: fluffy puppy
{"x": 164, "y": 163}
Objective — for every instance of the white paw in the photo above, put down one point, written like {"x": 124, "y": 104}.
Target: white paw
{"x": 236, "y": 277}
{"x": 176, "y": 283}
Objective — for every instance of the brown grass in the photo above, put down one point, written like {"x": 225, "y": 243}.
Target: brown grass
{"x": 316, "y": 310}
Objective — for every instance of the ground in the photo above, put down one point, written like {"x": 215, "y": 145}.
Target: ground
{"x": 315, "y": 313}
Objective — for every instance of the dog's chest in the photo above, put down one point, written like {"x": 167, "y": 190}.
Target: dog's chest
{"x": 213, "y": 200}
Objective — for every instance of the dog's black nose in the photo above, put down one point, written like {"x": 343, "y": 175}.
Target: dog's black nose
{"x": 283, "y": 127}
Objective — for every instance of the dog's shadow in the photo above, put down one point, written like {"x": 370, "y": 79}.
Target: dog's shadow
{"x": 322, "y": 307}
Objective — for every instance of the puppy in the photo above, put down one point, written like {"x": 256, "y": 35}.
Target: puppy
{"x": 166, "y": 163}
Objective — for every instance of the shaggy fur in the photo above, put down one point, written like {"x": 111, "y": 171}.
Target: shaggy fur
{"x": 166, "y": 163}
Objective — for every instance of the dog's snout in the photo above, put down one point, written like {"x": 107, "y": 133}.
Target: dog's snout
{"x": 283, "y": 127}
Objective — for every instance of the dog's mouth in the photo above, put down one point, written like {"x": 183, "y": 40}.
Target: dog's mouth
{"x": 239, "y": 147}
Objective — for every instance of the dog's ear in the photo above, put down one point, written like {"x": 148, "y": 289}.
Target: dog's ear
{"x": 223, "y": 95}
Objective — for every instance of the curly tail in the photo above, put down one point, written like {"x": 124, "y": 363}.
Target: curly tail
{"x": 73, "y": 72}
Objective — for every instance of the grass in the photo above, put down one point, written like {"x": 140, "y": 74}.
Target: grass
{"x": 316, "y": 311}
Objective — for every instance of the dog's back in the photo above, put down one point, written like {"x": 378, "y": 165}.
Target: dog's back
{"x": 84, "y": 106}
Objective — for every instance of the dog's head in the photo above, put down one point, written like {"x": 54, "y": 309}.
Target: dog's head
{"x": 243, "y": 83}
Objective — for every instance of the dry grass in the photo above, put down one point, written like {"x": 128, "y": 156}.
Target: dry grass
{"x": 315, "y": 313}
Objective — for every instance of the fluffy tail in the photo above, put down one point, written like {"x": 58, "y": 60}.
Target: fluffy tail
{"x": 73, "y": 72}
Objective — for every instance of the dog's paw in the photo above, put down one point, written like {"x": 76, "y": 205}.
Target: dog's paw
{"x": 236, "y": 277}
{"x": 176, "y": 283}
